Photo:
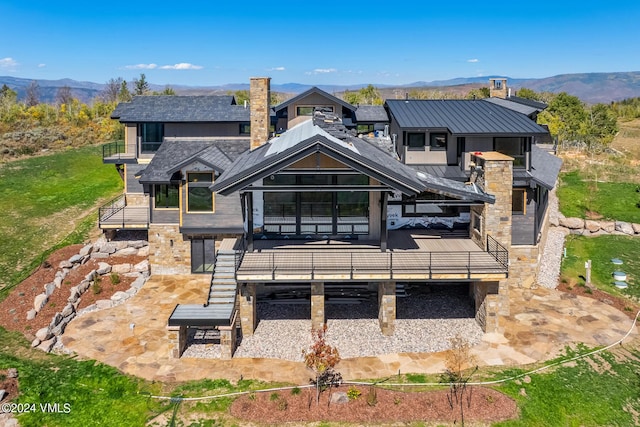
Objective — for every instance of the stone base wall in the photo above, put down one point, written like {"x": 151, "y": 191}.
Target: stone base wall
{"x": 248, "y": 308}
{"x": 488, "y": 304}
{"x": 169, "y": 251}
{"x": 137, "y": 199}
{"x": 177, "y": 337}
{"x": 317, "y": 305}
{"x": 590, "y": 228}
{"x": 387, "y": 307}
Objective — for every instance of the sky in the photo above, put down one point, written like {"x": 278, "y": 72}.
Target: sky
{"x": 216, "y": 42}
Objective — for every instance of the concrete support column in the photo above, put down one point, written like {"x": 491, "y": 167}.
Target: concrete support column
{"x": 228, "y": 339}
{"x": 387, "y": 307}
{"x": 177, "y": 337}
{"x": 248, "y": 309}
{"x": 317, "y": 305}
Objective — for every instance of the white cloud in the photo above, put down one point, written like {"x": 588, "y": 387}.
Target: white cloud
{"x": 181, "y": 66}
{"x": 474, "y": 60}
{"x": 141, "y": 67}
{"x": 324, "y": 70}
{"x": 42, "y": 65}
{"x": 8, "y": 63}
{"x": 276, "y": 69}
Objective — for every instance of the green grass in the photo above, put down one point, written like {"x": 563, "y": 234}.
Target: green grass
{"x": 600, "y": 250}
{"x": 579, "y": 395}
{"x": 611, "y": 200}
{"x": 44, "y": 201}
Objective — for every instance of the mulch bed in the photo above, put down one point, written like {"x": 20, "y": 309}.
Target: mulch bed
{"x": 9, "y": 385}
{"x": 485, "y": 405}
{"x": 625, "y": 306}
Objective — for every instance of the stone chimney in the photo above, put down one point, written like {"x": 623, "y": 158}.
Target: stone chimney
{"x": 498, "y": 88}
{"x": 259, "y": 95}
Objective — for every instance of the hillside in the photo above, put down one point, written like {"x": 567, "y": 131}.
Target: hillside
{"x": 589, "y": 87}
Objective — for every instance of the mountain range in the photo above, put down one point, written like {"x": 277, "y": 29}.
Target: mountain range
{"x": 591, "y": 88}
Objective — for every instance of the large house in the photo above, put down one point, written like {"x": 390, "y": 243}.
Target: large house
{"x": 315, "y": 194}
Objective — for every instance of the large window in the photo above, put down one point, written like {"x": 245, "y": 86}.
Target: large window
{"x": 151, "y": 136}
{"x": 438, "y": 141}
{"x": 166, "y": 195}
{"x": 245, "y": 129}
{"x": 199, "y": 197}
{"x": 514, "y": 147}
{"x": 415, "y": 141}
{"x": 431, "y": 204}
{"x": 307, "y": 110}
{"x": 203, "y": 255}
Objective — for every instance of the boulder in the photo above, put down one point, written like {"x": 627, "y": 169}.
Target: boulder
{"x": 36, "y": 342}
{"x": 138, "y": 244}
{"x": 3, "y": 393}
{"x": 49, "y": 288}
{"x": 47, "y": 345}
{"x": 636, "y": 228}
{"x": 572, "y": 223}
{"x": 339, "y": 397}
{"x": 608, "y": 226}
{"x": 103, "y": 268}
{"x": 592, "y": 226}
{"x": 31, "y": 314}
{"x": 119, "y": 296}
{"x": 55, "y": 320}
{"x": 86, "y": 250}
{"x": 99, "y": 255}
{"x": 39, "y": 301}
{"x": 65, "y": 264}
{"x": 141, "y": 266}
{"x": 126, "y": 252}
{"x": 75, "y": 259}
{"x": 121, "y": 268}
{"x": 57, "y": 282}
{"x": 139, "y": 282}
{"x": 624, "y": 227}
{"x": 144, "y": 251}
{"x": 12, "y": 373}
{"x": 59, "y": 329}
{"x": 83, "y": 286}
{"x": 90, "y": 276}
{"x": 101, "y": 304}
{"x": 68, "y": 310}
{"x": 44, "y": 334}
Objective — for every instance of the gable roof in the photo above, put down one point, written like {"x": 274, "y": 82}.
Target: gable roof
{"x": 313, "y": 90}
{"x": 176, "y": 109}
{"x": 462, "y": 117}
{"x": 174, "y": 155}
{"x": 545, "y": 167}
{"x": 521, "y": 107}
{"x": 371, "y": 113}
{"x": 308, "y": 138}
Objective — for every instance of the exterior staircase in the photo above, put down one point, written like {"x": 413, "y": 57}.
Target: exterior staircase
{"x": 223, "y": 288}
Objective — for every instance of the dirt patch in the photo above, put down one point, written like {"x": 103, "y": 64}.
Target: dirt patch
{"x": 9, "y": 385}
{"x": 13, "y": 310}
{"x": 485, "y": 405}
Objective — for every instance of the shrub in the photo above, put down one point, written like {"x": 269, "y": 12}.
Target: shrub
{"x": 353, "y": 393}
{"x": 296, "y": 391}
{"x": 115, "y": 278}
{"x": 274, "y": 396}
{"x": 283, "y": 404}
{"x": 96, "y": 288}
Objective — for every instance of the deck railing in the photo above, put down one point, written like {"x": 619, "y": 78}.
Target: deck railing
{"x": 116, "y": 149}
{"x": 391, "y": 265}
{"x": 498, "y": 252}
{"x": 116, "y": 214}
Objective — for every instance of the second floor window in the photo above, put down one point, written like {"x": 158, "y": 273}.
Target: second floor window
{"x": 415, "y": 141}
{"x": 514, "y": 147}
{"x": 151, "y": 136}
{"x": 199, "y": 197}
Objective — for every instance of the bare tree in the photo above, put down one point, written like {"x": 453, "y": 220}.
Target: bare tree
{"x": 33, "y": 94}
{"x": 111, "y": 90}
{"x": 64, "y": 96}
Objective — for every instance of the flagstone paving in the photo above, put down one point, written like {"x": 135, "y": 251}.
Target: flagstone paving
{"x": 133, "y": 338}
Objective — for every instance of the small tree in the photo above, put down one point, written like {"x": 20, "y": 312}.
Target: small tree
{"x": 124, "y": 95}
{"x": 64, "y": 95}
{"x": 140, "y": 86}
{"x": 33, "y": 94}
{"x": 322, "y": 358}
{"x": 458, "y": 374}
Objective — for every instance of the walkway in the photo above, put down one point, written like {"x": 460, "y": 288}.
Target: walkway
{"x": 132, "y": 337}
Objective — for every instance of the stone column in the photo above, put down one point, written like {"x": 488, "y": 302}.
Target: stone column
{"x": 387, "y": 307}
{"x": 228, "y": 339}
{"x": 317, "y": 305}
{"x": 248, "y": 309}
{"x": 259, "y": 94}
{"x": 486, "y": 299}
{"x": 177, "y": 337}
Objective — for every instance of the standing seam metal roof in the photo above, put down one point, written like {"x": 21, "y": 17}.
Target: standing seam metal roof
{"x": 461, "y": 117}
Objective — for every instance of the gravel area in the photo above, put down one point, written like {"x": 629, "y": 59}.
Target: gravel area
{"x": 549, "y": 271}
{"x": 425, "y": 324}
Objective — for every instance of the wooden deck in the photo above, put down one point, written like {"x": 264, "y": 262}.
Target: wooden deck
{"x": 127, "y": 217}
{"x": 412, "y": 256}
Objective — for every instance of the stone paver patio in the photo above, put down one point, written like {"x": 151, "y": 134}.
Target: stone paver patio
{"x": 132, "y": 337}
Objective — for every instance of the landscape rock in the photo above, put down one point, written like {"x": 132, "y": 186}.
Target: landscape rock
{"x": 608, "y": 226}
{"x": 86, "y": 250}
{"x": 12, "y": 373}
{"x": 339, "y": 397}
{"x": 57, "y": 281}
{"x": 59, "y": 329}
{"x": 103, "y": 268}
{"x": 44, "y": 334}
{"x": 49, "y": 288}
{"x": 572, "y": 223}
{"x": 55, "y": 320}
{"x": 101, "y": 304}
{"x": 3, "y": 393}
{"x": 36, "y": 342}
{"x": 75, "y": 259}
{"x": 144, "y": 251}
{"x": 126, "y": 252}
{"x": 141, "y": 266}
{"x": 83, "y": 286}
{"x": 65, "y": 264}
{"x": 90, "y": 276}
{"x": 68, "y": 310}
{"x": 121, "y": 268}
{"x": 119, "y": 296}
{"x": 31, "y": 314}
{"x": 47, "y": 345}
{"x": 624, "y": 227}
{"x": 39, "y": 301}
{"x": 139, "y": 282}
{"x": 592, "y": 226}
{"x": 99, "y": 255}
{"x": 636, "y": 228}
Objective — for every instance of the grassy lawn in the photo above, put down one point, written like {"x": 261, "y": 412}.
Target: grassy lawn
{"x": 581, "y": 197}
{"x": 45, "y": 201}
{"x": 600, "y": 250}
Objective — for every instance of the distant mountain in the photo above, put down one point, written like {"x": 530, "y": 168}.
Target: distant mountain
{"x": 589, "y": 87}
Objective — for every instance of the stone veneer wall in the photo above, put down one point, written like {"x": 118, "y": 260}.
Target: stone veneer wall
{"x": 260, "y": 94}
{"x": 135, "y": 199}
{"x": 169, "y": 251}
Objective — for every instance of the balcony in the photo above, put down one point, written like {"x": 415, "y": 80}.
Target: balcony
{"x": 115, "y": 153}
{"x": 116, "y": 215}
{"x": 412, "y": 256}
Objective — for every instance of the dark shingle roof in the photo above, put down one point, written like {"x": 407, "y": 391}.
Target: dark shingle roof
{"x": 307, "y": 137}
{"x": 462, "y": 117}
{"x": 371, "y": 113}
{"x": 173, "y": 155}
{"x": 176, "y": 109}
{"x": 545, "y": 167}
{"x": 312, "y": 91}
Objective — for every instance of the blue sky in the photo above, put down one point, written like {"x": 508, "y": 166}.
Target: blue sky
{"x": 205, "y": 43}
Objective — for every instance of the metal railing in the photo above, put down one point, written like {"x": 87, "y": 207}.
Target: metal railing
{"x": 116, "y": 214}
{"x": 382, "y": 265}
{"x": 498, "y": 252}
{"x": 116, "y": 150}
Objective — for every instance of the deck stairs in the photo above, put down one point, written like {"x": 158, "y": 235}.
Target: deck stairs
{"x": 224, "y": 287}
